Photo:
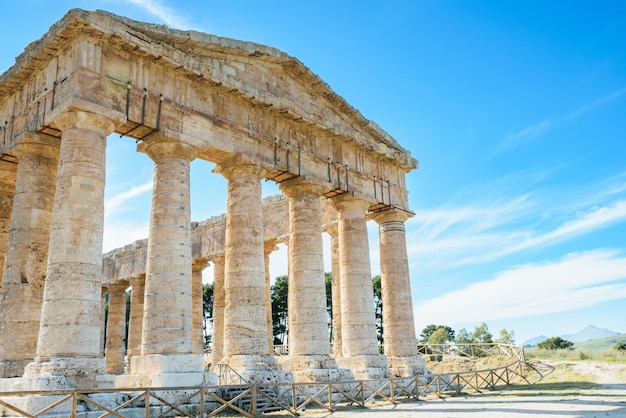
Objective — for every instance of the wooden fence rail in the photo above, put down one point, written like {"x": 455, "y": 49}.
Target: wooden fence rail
{"x": 252, "y": 400}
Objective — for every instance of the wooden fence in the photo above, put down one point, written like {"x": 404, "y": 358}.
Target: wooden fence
{"x": 252, "y": 400}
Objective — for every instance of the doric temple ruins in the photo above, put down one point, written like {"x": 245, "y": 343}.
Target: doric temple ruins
{"x": 256, "y": 113}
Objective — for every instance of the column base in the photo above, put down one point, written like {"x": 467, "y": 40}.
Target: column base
{"x": 313, "y": 368}
{"x": 160, "y": 370}
{"x": 407, "y": 366}
{"x": 13, "y": 368}
{"x": 366, "y": 366}
{"x": 64, "y": 373}
{"x": 257, "y": 369}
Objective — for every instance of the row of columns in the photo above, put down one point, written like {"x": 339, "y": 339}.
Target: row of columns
{"x": 64, "y": 316}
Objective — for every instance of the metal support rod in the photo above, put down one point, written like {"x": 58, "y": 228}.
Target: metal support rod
{"x": 329, "y": 178}
{"x": 338, "y": 175}
{"x": 158, "y": 121}
{"x": 128, "y": 87}
{"x": 299, "y": 161}
{"x": 275, "y": 153}
{"x": 36, "y": 117}
{"x": 54, "y": 92}
{"x": 389, "y": 192}
{"x": 382, "y": 191}
{"x": 43, "y": 117}
{"x": 143, "y": 107}
{"x": 375, "y": 189}
{"x": 287, "y": 158}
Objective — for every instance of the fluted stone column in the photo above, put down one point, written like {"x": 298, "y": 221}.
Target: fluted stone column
{"x": 269, "y": 248}
{"x": 197, "y": 337}
{"x": 219, "y": 303}
{"x": 398, "y": 323}
{"x": 167, "y": 356}
{"x": 359, "y": 341}
{"x": 245, "y": 316}
{"x": 116, "y": 329}
{"x": 8, "y": 175}
{"x": 336, "y": 291}
{"x": 69, "y": 336}
{"x": 27, "y": 252}
{"x": 135, "y": 320}
{"x": 309, "y": 346}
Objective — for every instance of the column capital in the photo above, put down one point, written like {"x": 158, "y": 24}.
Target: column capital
{"x": 240, "y": 167}
{"x": 84, "y": 120}
{"x": 141, "y": 279}
{"x": 199, "y": 264}
{"x": 346, "y": 202}
{"x": 391, "y": 215}
{"x": 331, "y": 229}
{"x": 159, "y": 147}
{"x": 298, "y": 186}
{"x": 218, "y": 258}
{"x": 37, "y": 145}
{"x": 270, "y": 246}
{"x": 118, "y": 286}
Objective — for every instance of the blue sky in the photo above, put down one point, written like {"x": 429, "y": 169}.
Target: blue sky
{"x": 515, "y": 110}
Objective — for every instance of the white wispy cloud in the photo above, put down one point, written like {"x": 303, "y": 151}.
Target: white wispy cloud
{"x": 167, "y": 14}
{"x": 115, "y": 202}
{"x": 483, "y": 229}
{"x": 529, "y": 133}
{"x": 576, "y": 281}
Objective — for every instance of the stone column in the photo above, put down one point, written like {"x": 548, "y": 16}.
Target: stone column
{"x": 27, "y": 252}
{"x": 197, "y": 311}
{"x": 116, "y": 329}
{"x": 69, "y": 336}
{"x": 309, "y": 346}
{"x": 167, "y": 357}
{"x": 398, "y": 323}
{"x": 219, "y": 303}
{"x": 336, "y": 290}
{"x": 135, "y": 320}
{"x": 359, "y": 342}
{"x": 269, "y": 248}
{"x": 8, "y": 175}
{"x": 245, "y": 316}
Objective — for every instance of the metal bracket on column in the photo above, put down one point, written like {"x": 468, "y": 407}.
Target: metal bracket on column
{"x": 343, "y": 179}
{"x": 284, "y": 173}
{"x": 139, "y": 129}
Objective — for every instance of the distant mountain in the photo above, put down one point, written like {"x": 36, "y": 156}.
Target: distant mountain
{"x": 590, "y": 332}
{"x": 534, "y": 341}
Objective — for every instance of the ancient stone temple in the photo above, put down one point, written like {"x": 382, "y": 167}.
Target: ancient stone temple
{"x": 257, "y": 114}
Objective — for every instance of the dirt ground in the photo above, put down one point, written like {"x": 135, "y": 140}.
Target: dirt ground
{"x": 573, "y": 389}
